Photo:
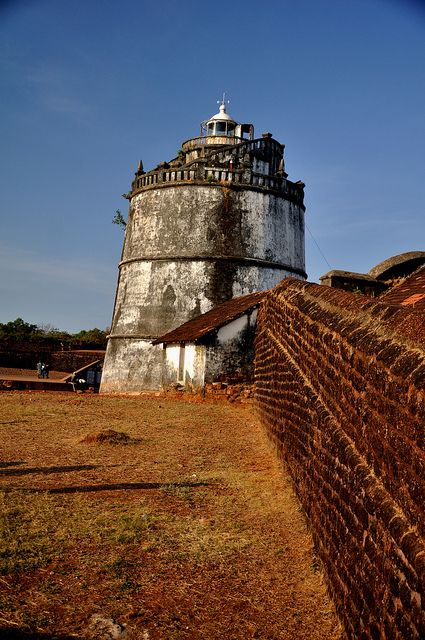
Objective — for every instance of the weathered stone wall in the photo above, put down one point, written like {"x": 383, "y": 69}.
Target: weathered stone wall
{"x": 231, "y": 350}
{"x": 185, "y": 248}
{"x": 213, "y": 220}
{"x": 133, "y": 365}
{"x": 340, "y": 387}
{"x": 155, "y": 298}
{"x": 70, "y": 361}
{"x": 188, "y": 247}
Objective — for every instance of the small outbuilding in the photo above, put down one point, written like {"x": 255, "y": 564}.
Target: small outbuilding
{"x": 380, "y": 279}
{"x": 214, "y": 346}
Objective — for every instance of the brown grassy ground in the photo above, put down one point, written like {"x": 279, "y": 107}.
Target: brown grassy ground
{"x": 187, "y": 529}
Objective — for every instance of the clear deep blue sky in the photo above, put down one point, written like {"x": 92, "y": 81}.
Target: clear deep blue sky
{"x": 90, "y": 87}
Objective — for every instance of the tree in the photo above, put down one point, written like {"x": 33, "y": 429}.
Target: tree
{"x": 93, "y": 338}
{"x": 19, "y": 330}
{"x": 119, "y": 219}
{"x": 23, "y": 332}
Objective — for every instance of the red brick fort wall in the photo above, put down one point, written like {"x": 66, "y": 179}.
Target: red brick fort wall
{"x": 340, "y": 383}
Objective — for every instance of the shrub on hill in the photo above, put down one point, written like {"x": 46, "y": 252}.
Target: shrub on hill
{"x": 20, "y": 332}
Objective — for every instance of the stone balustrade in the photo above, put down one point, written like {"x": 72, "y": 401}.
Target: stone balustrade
{"x": 201, "y": 141}
{"x": 211, "y": 175}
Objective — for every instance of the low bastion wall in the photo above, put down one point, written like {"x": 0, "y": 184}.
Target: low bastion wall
{"x": 70, "y": 361}
{"x": 340, "y": 383}
{"x": 28, "y": 354}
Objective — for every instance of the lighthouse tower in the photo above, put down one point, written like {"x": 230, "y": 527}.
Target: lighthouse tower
{"x": 218, "y": 221}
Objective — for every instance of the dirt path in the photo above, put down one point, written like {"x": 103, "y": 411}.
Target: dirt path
{"x": 188, "y": 531}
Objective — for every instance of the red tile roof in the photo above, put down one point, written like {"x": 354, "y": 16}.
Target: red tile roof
{"x": 410, "y": 293}
{"x": 214, "y": 319}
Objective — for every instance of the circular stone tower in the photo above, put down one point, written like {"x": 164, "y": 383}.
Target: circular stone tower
{"x": 221, "y": 220}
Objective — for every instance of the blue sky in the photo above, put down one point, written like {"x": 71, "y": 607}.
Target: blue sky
{"x": 90, "y": 87}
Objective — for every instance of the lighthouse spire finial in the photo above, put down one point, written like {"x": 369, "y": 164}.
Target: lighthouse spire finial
{"x": 222, "y": 103}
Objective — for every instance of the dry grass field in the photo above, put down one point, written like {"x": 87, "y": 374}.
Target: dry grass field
{"x": 185, "y": 527}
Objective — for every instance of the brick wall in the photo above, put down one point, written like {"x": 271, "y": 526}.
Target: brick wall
{"x": 27, "y": 355}
{"x": 70, "y": 361}
{"x": 340, "y": 383}
{"x": 24, "y": 355}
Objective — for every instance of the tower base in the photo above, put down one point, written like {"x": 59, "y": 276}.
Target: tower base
{"x": 132, "y": 365}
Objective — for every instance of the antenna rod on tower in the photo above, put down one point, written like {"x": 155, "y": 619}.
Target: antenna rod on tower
{"x": 223, "y": 101}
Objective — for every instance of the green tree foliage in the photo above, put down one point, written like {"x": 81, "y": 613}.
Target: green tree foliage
{"x": 21, "y": 332}
{"x": 119, "y": 219}
{"x": 91, "y": 338}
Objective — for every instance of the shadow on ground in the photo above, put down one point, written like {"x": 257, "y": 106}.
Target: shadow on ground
{"x": 119, "y": 486}
{"x": 12, "y": 463}
{"x": 12, "y": 633}
{"x": 28, "y": 471}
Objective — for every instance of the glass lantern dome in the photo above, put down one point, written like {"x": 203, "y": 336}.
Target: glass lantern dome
{"x": 221, "y": 124}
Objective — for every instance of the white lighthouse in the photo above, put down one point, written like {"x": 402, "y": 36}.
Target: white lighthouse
{"x": 218, "y": 221}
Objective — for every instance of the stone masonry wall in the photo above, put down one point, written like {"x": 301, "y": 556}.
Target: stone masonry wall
{"x": 71, "y": 361}
{"x": 27, "y": 355}
{"x": 189, "y": 247}
{"x": 340, "y": 387}
{"x": 23, "y": 355}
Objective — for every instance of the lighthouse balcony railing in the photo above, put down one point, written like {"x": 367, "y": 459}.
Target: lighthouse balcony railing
{"x": 200, "y": 141}
{"x": 222, "y": 175}
{"x": 213, "y": 175}
{"x": 276, "y": 183}
{"x": 157, "y": 177}
{"x": 247, "y": 145}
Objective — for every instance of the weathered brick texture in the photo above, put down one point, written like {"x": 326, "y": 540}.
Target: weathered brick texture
{"x": 340, "y": 383}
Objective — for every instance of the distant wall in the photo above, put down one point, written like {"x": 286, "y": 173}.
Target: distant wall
{"x": 70, "y": 361}
{"x": 340, "y": 387}
{"x": 26, "y": 356}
